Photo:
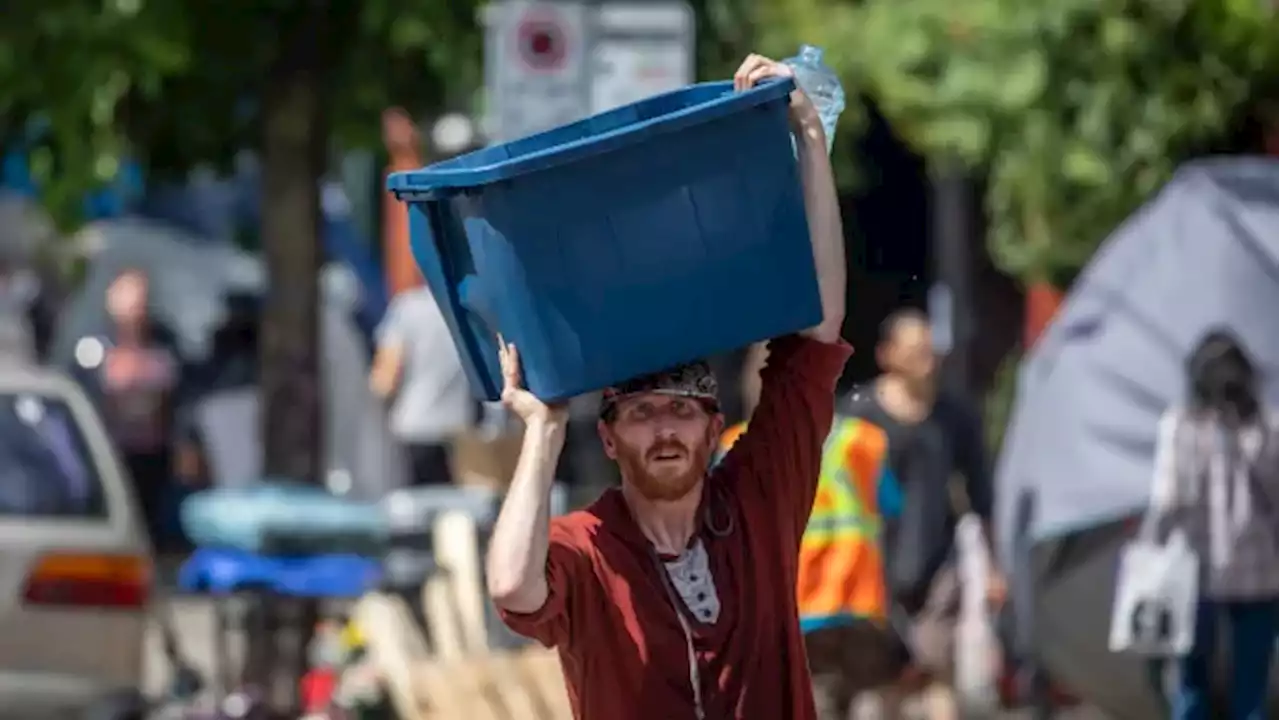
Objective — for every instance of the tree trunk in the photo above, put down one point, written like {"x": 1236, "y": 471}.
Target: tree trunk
{"x": 295, "y": 137}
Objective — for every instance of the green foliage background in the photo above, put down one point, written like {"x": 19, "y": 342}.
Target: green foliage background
{"x": 176, "y": 83}
{"x": 1074, "y": 110}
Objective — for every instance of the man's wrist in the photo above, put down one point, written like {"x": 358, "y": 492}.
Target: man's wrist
{"x": 810, "y": 136}
{"x": 807, "y": 125}
{"x": 545, "y": 429}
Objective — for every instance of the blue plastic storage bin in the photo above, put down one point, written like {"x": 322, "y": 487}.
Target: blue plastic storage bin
{"x": 657, "y": 233}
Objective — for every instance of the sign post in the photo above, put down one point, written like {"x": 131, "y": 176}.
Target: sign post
{"x": 552, "y": 62}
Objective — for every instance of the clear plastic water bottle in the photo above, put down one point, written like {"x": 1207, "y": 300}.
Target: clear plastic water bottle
{"x": 822, "y": 86}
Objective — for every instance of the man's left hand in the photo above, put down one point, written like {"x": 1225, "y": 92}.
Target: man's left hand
{"x": 758, "y": 68}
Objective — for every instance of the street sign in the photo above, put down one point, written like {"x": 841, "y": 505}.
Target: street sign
{"x": 551, "y": 62}
{"x": 535, "y": 66}
{"x": 542, "y": 44}
{"x": 640, "y": 49}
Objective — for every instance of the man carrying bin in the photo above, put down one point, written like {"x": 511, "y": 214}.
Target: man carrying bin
{"x": 674, "y": 596}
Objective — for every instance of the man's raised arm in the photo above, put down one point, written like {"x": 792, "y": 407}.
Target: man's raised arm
{"x": 517, "y": 561}
{"x": 781, "y": 452}
{"x": 826, "y": 232}
{"x": 821, "y": 205}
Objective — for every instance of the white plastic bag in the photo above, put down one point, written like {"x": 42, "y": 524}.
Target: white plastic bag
{"x": 1156, "y": 594}
{"x": 977, "y": 650}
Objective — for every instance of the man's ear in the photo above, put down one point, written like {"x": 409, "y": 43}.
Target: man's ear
{"x": 606, "y": 439}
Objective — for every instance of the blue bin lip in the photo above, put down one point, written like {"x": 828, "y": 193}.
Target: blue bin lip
{"x": 722, "y": 103}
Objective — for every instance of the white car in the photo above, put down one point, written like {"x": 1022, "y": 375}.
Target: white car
{"x": 75, "y": 560}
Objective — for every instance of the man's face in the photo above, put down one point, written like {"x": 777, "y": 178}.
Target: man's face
{"x": 909, "y": 352}
{"x": 127, "y": 298}
{"x": 662, "y": 443}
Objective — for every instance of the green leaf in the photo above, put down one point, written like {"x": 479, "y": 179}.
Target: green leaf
{"x": 409, "y": 33}
{"x": 1082, "y": 165}
{"x": 1023, "y": 84}
{"x": 964, "y": 135}
{"x": 1119, "y": 35}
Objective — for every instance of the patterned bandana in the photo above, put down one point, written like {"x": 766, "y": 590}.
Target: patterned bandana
{"x": 693, "y": 380}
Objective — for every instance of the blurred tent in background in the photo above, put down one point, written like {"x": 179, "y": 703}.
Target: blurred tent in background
{"x": 215, "y": 209}
{"x": 189, "y": 276}
{"x": 1077, "y": 460}
{"x": 195, "y": 283}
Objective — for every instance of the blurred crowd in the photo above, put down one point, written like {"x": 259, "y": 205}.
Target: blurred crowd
{"x": 176, "y": 416}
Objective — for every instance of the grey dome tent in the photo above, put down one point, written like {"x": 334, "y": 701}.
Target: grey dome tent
{"x": 1076, "y": 465}
{"x": 191, "y": 279}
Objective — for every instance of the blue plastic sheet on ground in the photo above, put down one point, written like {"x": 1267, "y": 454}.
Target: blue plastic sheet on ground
{"x": 223, "y": 571}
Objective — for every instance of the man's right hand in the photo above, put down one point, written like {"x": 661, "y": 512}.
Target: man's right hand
{"x": 519, "y": 545}
{"x": 520, "y": 401}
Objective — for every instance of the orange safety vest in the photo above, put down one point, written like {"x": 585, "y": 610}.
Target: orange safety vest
{"x": 841, "y": 574}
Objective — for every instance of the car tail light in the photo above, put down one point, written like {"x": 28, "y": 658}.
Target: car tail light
{"x": 89, "y": 580}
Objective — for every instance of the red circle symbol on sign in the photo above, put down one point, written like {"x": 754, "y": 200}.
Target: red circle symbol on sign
{"x": 542, "y": 42}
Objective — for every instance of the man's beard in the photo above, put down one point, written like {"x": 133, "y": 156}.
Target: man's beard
{"x": 663, "y": 486}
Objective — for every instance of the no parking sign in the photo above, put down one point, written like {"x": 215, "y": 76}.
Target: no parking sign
{"x": 535, "y": 66}
{"x": 542, "y": 42}
{"x": 552, "y": 62}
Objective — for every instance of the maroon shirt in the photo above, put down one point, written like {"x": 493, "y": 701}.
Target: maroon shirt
{"x": 610, "y": 612}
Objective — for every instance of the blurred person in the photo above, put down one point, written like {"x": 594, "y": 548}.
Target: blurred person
{"x": 1217, "y": 461}
{"x": 673, "y": 596}
{"x": 841, "y": 589}
{"x": 138, "y": 379}
{"x": 844, "y": 609}
{"x": 18, "y": 290}
{"x": 230, "y": 368}
{"x": 936, "y": 451}
{"x": 752, "y": 364}
{"x": 403, "y": 143}
{"x": 417, "y": 368}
